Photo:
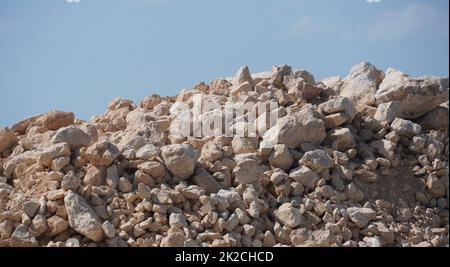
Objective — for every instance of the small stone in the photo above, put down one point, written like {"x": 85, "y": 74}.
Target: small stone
{"x": 71, "y": 181}
{"x": 305, "y": 176}
{"x": 108, "y": 229}
{"x": 125, "y": 185}
{"x": 247, "y": 172}
{"x": 56, "y": 225}
{"x": 95, "y": 175}
{"x": 102, "y": 153}
{"x": 288, "y": 215}
{"x": 361, "y": 216}
{"x": 177, "y": 220}
{"x": 281, "y": 157}
{"x": 317, "y": 160}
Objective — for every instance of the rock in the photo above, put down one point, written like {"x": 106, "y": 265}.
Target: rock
{"x": 46, "y": 156}
{"x": 361, "y": 216}
{"x": 177, "y": 220}
{"x": 243, "y": 75}
{"x": 305, "y": 176}
{"x": 338, "y": 105}
{"x": 366, "y": 176}
{"x": 405, "y": 127}
{"x": 148, "y": 152}
{"x": 288, "y": 215}
{"x": 153, "y": 168}
{"x": 56, "y": 119}
{"x": 281, "y": 157}
{"x": 362, "y": 83}
{"x": 71, "y": 181}
{"x": 144, "y": 191}
{"x": 278, "y": 73}
{"x": 336, "y": 120}
{"x": 39, "y": 224}
{"x": 7, "y": 139}
{"x": 76, "y": 136}
{"x": 384, "y": 147}
{"x": 247, "y": 172}
{"x": 354, "y": 193}
{"x": 59, "y": 163}
{"x": 125, "y": 185}
{"x": 340, "y": 139}
{"x": 56, "y": 225}
{"x": 435, "y": 186}
{"x": 243, "y": 145}
{"x": 180, "y": 159}
{"x": 72, "y": 243}
{"x": 299, "y": 88}
{"x": 205, "y": 181}
{"x": 108, "y": 229}
{"x": 112, "y": 176}
{"x": 95, "y": 175}
{"x": 417, "y": 96}
{"x": 304, "y": 126}
{"x": 173, "y": 240}
{"x": 436, "y": 119}
{"x": 387, "y": 112}
{"x": 82, "y": 218}
{"x": 102, "y": 153}
{"x": 23, "y": 237}
{"x": 30, "y": 208}
{"x": 149, "y": 102}
{"x": 317, "y": 160}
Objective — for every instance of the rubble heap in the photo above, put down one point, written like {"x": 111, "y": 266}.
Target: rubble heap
{"x": 360, "y": 161}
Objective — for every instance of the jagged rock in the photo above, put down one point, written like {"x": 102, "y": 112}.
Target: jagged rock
{"x": 417, "y": 96}
{"x": 405, "y": 127}
{"x": 180, "y": 159}
{"x": 317, "y": 160}
{"x": 56, "y": 119}
{"x": 304, "y": 126}
{"x": 7, "y": 139}
{"x": 82, "y": 218}
{"x": 76, "y": 136}
{"x": 102, "y": 153}
{"x": 362, "y": 83}
{"x": 288, "y": 215}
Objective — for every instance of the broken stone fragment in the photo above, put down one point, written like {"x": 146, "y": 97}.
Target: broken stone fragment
{"x": 82, "y": 218}
{"x": 180, "y": 159}
{"x": 102, "y": 153}
{"x": 288, "y": 215}
{"x": 417, "y": 96}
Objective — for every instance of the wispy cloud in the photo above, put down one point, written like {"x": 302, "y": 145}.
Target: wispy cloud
{"x": 415, "y": 19}
{"x": 389, "y": 26}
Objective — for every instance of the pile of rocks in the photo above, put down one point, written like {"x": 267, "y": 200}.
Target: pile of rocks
{"x": 359, "y": 161}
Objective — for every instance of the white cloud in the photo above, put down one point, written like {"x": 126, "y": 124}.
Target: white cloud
{"x": 416, "y": 19}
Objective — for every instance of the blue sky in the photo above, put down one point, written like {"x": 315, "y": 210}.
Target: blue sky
{"x": 78, "y": 56}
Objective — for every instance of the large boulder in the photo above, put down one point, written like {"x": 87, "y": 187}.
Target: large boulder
{"x": 303, "y": 126}
{"x": 362, "y": 83}
{"x": 180, "y": 159}
{"x": 417, "y": 96}
{"x": 56, "y": 119}
{"x": 76, "y": 136}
